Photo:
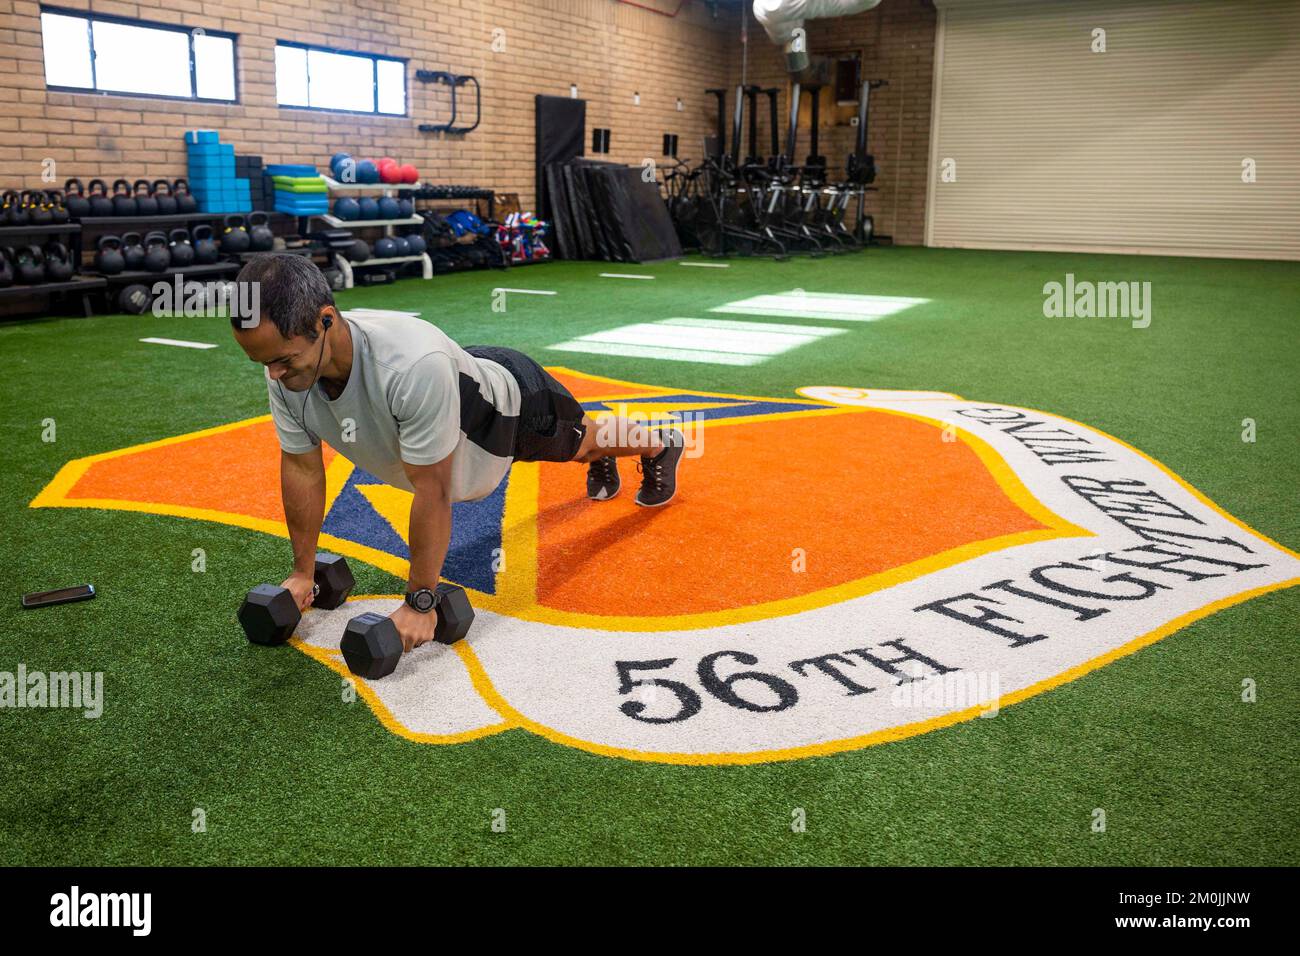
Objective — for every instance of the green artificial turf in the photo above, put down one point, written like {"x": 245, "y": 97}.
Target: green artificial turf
{"x": 287, "y": 773}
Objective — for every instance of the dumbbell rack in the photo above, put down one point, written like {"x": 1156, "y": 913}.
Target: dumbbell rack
{"x": 341, "y": 262}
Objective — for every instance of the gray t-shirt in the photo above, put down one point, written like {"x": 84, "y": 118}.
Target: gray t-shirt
{"x": 413, "y": 396}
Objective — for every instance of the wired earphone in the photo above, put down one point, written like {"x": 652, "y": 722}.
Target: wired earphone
{"x": 325, "y": 324}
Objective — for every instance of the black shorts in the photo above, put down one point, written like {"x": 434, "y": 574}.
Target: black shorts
{"x": 550, "y": 419}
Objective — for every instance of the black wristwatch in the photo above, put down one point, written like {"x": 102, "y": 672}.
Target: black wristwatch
{"x": 423, "y": 600}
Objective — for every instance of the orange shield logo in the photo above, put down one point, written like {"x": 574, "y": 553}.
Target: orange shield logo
{"x": 841, "y": 568}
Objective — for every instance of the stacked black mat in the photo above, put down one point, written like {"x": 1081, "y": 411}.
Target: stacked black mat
{"x": 608, "y": 211}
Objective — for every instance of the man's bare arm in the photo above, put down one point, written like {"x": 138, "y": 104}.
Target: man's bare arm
{"x": 430, "y": 532}
{"x": 302, "y": 489}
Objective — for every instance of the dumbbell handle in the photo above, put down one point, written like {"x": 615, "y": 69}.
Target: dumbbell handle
{"x": 315, "y": 585}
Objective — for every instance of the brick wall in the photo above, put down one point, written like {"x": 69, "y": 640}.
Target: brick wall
{"x": 610, "y": 50}
{"x": 897, "y": 43}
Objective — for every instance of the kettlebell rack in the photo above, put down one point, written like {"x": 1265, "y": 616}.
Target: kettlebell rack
{"x": 117, "y": 225}
{"x": 306, "y": 251}
{"x": 134, "y": 276}
{"x": 82, "y": 285}
{"x": 340, "y": 261}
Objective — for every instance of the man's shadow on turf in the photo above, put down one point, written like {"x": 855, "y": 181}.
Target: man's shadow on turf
{"x": 574, "y": 559}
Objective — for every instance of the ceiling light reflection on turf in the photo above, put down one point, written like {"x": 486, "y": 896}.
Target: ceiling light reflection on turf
{"x": 710, "y": 341}
{"x": 822, "y": 305}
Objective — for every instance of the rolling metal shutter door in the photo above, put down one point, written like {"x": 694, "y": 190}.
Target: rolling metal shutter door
{"x": 1138, "y": 149}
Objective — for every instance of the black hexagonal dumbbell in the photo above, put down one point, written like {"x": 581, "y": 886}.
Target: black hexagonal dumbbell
{"x": 455, "y": 614}
{"x": 334, "y": 581}
{"x": 269, "y": 614}
{"x": 371, "y": 646}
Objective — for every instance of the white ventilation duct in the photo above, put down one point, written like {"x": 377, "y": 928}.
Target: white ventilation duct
{"x": 783, "y": 20}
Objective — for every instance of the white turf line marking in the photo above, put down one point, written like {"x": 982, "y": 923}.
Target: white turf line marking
{"x": 714, "y": 341}
{"x": 526, "y": 291}
{"x": 181, "y": 344}
{"x": 707, "y": 265}
{"x": 822, "y": 305}
{"x": 622, "y": 275}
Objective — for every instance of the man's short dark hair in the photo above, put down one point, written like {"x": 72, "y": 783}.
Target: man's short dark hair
{"x": 292, "y": 291}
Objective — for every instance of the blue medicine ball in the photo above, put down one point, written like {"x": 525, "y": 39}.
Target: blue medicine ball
{"x": 385, "y": 248}
{"x": 403, "y": 246}
{"x": 417, "y": 244}
{"x": 389, "y": 209}
{"x": 336, "y": 162}
{"x": 367, "y": 172}
{"x": 347, "y": 208}
{"x": 369, "y": 208}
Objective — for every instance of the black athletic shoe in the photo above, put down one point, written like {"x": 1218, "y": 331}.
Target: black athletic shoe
{"x": 602, "y": 479}
{"x": 659, "y": 474}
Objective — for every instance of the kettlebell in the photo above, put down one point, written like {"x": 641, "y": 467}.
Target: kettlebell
{"x": 235, "y": 238}
{"x": 134, "y": 299}
{"x": 58, "y": 262}
{"x": 30, "y": 263}
{"x": 100, "y": 204}
{"x": 38, "y": 212}
{"x": 108, "y": 256}
{"x": 185, "y": 203}
{"x": 145, "y": 203}
{"x": 58, "y": 207}
{"x": 205, "y": 247}
{"x": 14, "y": 212}
{"x": 260, "y": 236}
{"x": 162, "y": 191}
{"x": 157, "y": 256}
{"x": 77, "y": 203}
{"x": 6, "y": 268}
{"x": 132, "y": 251}
{"x": 123, "y": 201}
{"x": 181, "y": 251}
